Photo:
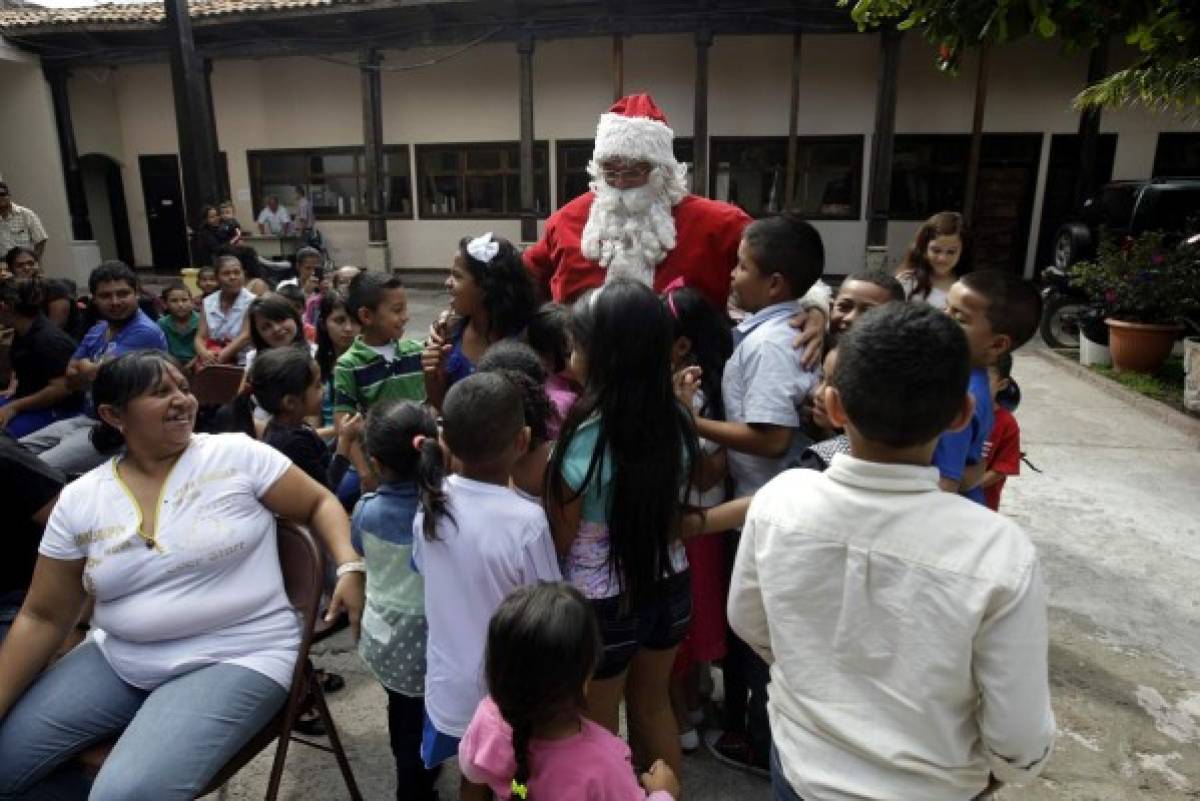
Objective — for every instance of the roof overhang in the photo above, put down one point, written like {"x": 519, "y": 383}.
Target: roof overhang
{"x": 265, "y": 28}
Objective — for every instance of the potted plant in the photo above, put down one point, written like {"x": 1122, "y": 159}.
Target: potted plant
{"x": 1146, "y": 286}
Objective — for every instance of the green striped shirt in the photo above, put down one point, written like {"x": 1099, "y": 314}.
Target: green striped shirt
{"x": 362, "y": 377}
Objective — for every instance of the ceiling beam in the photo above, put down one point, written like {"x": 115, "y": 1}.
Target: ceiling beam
{"x": 381, "y": 24}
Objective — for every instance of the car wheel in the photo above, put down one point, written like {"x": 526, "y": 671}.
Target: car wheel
{"x": 1070, "y": 245}
{"x": 1060, "y": 322}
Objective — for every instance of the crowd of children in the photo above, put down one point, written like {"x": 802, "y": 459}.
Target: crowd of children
{"x": 549, "y": 504}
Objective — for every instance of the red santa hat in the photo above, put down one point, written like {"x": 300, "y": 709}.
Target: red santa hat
{"x": 634, "y": 129}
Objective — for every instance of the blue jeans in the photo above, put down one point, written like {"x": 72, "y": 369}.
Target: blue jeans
{"x": 9, "y": 606}
{"x": 175, "y": 738}
{"x": 780, "y": 789}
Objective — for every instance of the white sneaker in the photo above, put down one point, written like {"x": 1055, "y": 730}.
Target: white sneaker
{"x": 689, "y": 741}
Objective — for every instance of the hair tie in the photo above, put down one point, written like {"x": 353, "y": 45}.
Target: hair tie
{"x": 676, "y": 283}
{"x": 418, "y": 441}
{"x": 519, "y": 790}
{"x": 483, "y": 248}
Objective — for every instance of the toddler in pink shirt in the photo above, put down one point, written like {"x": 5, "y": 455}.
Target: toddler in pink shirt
{"x": 529, "y": 738}
{"x": 548, "y": 335}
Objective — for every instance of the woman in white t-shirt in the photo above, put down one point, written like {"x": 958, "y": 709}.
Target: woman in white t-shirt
{"x": 935, "y": 259}
{"x": 194, "y": 640}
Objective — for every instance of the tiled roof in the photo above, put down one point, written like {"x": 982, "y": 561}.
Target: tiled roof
{"x": 152, "y": 12}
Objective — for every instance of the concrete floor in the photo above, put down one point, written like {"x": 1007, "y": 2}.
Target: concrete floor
{"x": 1115, "y": 513}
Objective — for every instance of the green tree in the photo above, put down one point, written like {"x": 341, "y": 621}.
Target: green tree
{"x": 1165, "y": 76}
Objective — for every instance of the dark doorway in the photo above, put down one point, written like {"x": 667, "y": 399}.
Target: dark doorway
{"x": 1062, "y": 172}
{"x": 166, "y": 216}
{"x": 106, "y": 206}
{"x": 1004, "y": 201}
{"x": 164, "y": 211}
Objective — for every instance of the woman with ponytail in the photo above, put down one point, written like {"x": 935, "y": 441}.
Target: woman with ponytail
{"x": 174, "y": 541}
{"x": 530, "y": 738}
{"x": 402, "y": 446}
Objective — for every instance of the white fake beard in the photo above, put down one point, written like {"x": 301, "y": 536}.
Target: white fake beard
{"x": 630, "y": 231}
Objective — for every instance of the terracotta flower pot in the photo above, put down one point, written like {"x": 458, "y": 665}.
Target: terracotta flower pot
{"x": 1140, "y": 347}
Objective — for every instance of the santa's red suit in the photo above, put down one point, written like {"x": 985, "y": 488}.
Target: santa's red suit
{"x": 708, "y": 233}
{"x": 655, "y": 233}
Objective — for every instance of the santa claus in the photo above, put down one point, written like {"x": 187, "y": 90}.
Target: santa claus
{"x": 640, "y": 221}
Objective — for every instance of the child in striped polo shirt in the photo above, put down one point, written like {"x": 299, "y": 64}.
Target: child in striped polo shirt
{"x": 378, "y": 365}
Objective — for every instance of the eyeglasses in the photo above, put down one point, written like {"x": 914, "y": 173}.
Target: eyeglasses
{"x": 635, "y": 173}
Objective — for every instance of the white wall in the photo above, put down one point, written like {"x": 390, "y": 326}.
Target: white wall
{"x": 29, "y": 159}
{"x": 95, "y": 189}
{"x": 94, "y": 111}
{"x": 303, "y": 102}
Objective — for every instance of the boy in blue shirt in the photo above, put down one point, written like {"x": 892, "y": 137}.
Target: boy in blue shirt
{"x": 999, "y": 312}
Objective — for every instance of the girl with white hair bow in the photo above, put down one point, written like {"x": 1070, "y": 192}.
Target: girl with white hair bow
{"x": 491, "y": 298}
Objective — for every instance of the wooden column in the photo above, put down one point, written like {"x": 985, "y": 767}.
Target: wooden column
{"x": 198, "y": 157}
{"x": 81, "y": 226}
{"x": 1089, "y": 131}
{"x": 976, "y": 149}
{"x": 372, "y": 108}
{"x": 704, "y": 40}
{"x": 881, "y": 142}
{"x": 222, "y": 171}
{"x": 789, "y": 195}
{"x": 618, "y": 66}
{"x": 528, "y": 212}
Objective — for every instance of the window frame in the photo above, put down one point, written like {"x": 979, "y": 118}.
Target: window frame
{"x": 357, "y": 152}
{"x": 856, "y": 141}
{"x": 918, "y": 215}
{"x": 992, "y": 153}
{"x": 423, "y": 208}
{"x": 1164, "y": 143}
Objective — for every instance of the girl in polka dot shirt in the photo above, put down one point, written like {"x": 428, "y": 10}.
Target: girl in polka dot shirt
{"x": 401, "y": 444}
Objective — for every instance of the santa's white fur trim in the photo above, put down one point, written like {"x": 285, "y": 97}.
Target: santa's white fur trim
{"x": 633, "y": 139}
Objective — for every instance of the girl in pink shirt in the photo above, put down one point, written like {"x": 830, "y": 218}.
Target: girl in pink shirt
{"x": 529, "y": 738}
{"x": 548, "y": 334}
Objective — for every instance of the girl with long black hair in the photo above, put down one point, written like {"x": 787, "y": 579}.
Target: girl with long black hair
{"x": 336, "y": 330}
{"x": 615, "y": 500}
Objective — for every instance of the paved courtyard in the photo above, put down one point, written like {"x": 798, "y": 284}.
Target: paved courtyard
{"x": 1115, "y": 513}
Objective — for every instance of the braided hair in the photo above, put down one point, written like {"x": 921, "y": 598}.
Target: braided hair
{"x": 543, "y": 644}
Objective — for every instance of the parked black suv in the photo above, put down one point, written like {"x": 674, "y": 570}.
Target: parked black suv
{"x": 1127, "y": 208}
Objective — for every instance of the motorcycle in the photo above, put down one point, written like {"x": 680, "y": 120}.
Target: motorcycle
{"x": 1065, "y": 309}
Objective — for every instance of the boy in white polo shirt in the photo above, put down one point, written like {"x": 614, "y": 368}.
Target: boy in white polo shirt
{"x": 905, "y": 627}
